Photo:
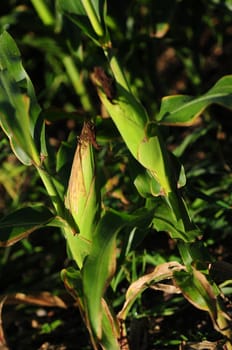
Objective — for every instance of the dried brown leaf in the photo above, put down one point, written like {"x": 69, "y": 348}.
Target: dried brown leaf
{"x": 41, "y": 299}
{"x": 3, "y": 344}
{"x": 161, "y": 272}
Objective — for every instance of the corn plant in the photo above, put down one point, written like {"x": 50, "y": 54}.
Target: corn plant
{"x": 90, "y": 229}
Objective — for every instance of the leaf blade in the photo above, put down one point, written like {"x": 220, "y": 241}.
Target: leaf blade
{"x": 19, "y": 110}
{"x": 22, "y": 223}
{"x": 99, "y": 267}
{"x": 183, "y": 109}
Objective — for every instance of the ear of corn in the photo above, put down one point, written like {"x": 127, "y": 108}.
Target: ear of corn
{"x": 83, "y": 198}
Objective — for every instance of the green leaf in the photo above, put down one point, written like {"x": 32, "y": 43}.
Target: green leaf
{"x": 147, "y": 185}
{"x": 100, "y": 266}
{"x": 19, "y": 110}
{"x": 165, "y": 220}
{"x": 197, "y": 290}
{"x": 99, "y": 7}
{"x": 73, "y": 283}
{"x": 21, "y": 223}
{"x": 128, "y": 114}
{"x": 182, "y": 109}
{"x": 110, "y": 329}
{"x": 142, "y": 137}
{"x": 76, "y": 12}
{"x": 195, "y": 253}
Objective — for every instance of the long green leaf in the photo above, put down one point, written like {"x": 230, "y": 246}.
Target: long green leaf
{"x": 100, "y": 266}
{"x": 21, "y": 223}
{"x": 73, "y": 283}
{"x": 110, "y": 329}
{"x": 19, "y": 110}
{"x": 182, "y": 109}
{"x": 142, "y": 137}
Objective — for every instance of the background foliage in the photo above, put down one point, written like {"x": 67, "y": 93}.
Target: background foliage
{"x": 166, "y": 48}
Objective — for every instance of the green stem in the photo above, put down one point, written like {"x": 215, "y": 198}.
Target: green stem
{"x": 43, "y": 12}
{"x": 92, "y": 15}
{"x": 51, "y": 190}
{"x": 78, "y": 84}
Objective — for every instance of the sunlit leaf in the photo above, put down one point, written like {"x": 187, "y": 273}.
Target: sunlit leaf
{"x": 19, "y": 110}
{"x": 183, "y": 109}
{"x": 100, "y": 266}
{"x": 146, "y": 184}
